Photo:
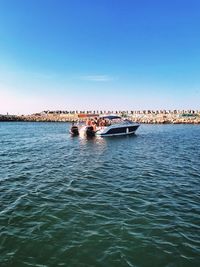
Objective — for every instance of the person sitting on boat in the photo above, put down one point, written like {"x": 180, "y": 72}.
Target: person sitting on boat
{"x": 106, "y": 122}
{"x": 88, "y": 122}
{"x": 102, "y": 123}
{"x": 94, "y": 125}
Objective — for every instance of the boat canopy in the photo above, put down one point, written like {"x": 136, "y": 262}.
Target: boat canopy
{"x": 110, "y": 117}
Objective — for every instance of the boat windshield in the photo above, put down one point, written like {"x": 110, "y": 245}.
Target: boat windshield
{"x": 110, "y": 117}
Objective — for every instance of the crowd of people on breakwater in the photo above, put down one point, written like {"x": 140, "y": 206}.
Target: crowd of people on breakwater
{"x": 145, "y": 116}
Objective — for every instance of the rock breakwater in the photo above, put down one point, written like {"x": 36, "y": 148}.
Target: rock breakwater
{"x": 148, "y": 117}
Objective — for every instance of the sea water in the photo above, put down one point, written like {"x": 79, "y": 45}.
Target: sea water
{"x": 115, "y": 201}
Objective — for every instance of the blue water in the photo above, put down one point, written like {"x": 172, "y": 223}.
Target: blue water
{"x": 123, "y": 201}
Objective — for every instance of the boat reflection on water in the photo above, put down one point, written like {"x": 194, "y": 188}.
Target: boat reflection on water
{"x": 99, "y": 146}
{"x": 96, "y": 144}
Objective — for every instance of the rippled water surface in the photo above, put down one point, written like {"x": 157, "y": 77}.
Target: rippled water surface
{"x": 123, "y": 201}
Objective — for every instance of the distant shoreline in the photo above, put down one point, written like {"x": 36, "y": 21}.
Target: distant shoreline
{"x": 146, "y": 116}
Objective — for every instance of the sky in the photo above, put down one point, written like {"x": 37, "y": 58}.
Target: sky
{"x": 103, "y": 54}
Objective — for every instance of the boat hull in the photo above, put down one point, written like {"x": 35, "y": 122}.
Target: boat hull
{"x": 118, "y": 130}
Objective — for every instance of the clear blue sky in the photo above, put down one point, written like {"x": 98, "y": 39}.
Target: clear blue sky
{"x": 108, "y": 54}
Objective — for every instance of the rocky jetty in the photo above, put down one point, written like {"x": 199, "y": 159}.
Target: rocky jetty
{"x": 145, "y": 116}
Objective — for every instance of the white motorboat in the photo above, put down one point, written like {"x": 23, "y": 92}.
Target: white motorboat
{"x": 107, "y": 125}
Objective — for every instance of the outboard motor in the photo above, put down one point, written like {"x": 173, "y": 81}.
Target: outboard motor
{"x": 74, "y": 130}
{"x": 90, "y": 131}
